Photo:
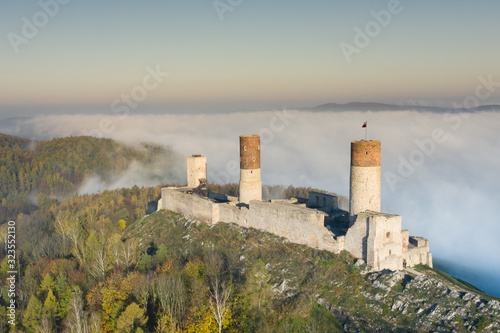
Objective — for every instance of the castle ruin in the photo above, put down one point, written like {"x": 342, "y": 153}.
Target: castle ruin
{"x": 317, "y": 221}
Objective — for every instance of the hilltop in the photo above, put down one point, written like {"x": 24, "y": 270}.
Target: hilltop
{"x": 301, "y": 289}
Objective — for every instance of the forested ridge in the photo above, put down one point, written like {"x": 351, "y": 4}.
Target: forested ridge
{"x": 56, "y": 168}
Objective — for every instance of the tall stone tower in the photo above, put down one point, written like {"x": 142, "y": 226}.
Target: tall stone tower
{"x": 365, "y": 177}
{"x": 250, "y": 183}
{"x": 196, "y": 170}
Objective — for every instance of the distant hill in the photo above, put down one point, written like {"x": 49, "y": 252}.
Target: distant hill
{"x": 371, "y": 106}
{"x": 56, "y": 168}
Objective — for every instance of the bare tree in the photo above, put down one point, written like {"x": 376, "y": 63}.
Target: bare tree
{"x": 171, "y": 293}
{"x": 77, "y": 321}
{"x": 115, "y": 248}
{"x": 68, "y": 226}
{"x": 99, "y": 264}
{"x": 95, "y": 323}
{"x": 219, "y": 301}
{"x": 45, "y": 326}
{"x": 220, "y": 290}
{"x": 129, "y": 253}
{"x": 142, "y": 290}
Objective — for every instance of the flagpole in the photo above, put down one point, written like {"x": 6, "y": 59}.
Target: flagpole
{"x": 366, "y": 131}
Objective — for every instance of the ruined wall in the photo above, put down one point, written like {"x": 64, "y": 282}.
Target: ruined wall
{"x": 417, "y": 252}
{"x": 188, "y": 205}
{"x": 364, "y": 192}
{"x": 323, "y": 200}
{"x": 418, "y": 255}
{"x": 405, "y": 235}
{"x": 376, "y": 238}
{"x": 295, "y": 223}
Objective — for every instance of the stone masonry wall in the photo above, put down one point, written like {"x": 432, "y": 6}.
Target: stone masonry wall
{"x": 188, "y": 205}
{"x": 297, "y": 224}
{"x": 376, "y": 238}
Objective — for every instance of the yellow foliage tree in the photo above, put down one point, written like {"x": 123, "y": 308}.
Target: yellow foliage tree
{"x": 132, "y": 317}
{"x": 122, "y": 223}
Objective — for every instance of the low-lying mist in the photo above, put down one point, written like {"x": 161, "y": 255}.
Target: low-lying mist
{"x": 439, "y": 171}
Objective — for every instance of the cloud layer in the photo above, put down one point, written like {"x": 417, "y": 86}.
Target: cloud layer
{"x": 440, "y": 172}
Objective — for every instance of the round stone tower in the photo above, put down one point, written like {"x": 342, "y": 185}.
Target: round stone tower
{"x": 364, "y": 191}
{"x": 250, "y": 183}
{"x": 196, "y": 170}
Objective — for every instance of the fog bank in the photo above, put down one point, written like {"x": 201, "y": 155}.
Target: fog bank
{"x": 439, "y": 171}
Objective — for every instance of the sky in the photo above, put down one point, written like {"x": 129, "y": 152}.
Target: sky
{"x": 245, "y": 55}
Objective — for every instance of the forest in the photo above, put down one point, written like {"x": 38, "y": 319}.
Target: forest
{"x": 32, "y": 171}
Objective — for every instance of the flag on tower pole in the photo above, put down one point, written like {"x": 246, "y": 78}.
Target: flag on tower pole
{"x": 365, "y": 127}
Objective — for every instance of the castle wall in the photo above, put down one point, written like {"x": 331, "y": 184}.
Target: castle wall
{"x": 376, "y": 238}
{"x": 295, "y": 223}
{"x": 190, "y": 206}
{"x": 323, "y": 200}
{"x": 418, "y": 255}
{"x": 405, "y": 238}
{"x": 417, "y": 252}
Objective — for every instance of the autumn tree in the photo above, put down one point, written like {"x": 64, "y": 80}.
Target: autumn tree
{"x": 132, "y": 317}
{"x": 31, "y": 318}
{"x": 171, "y": 293}
{"x": 77, "y": 321}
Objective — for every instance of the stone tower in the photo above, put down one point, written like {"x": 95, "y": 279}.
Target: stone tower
{"x": 250, "y": 183}
{"x": 364, "y": 191}
{"x": 196, "y": 170}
